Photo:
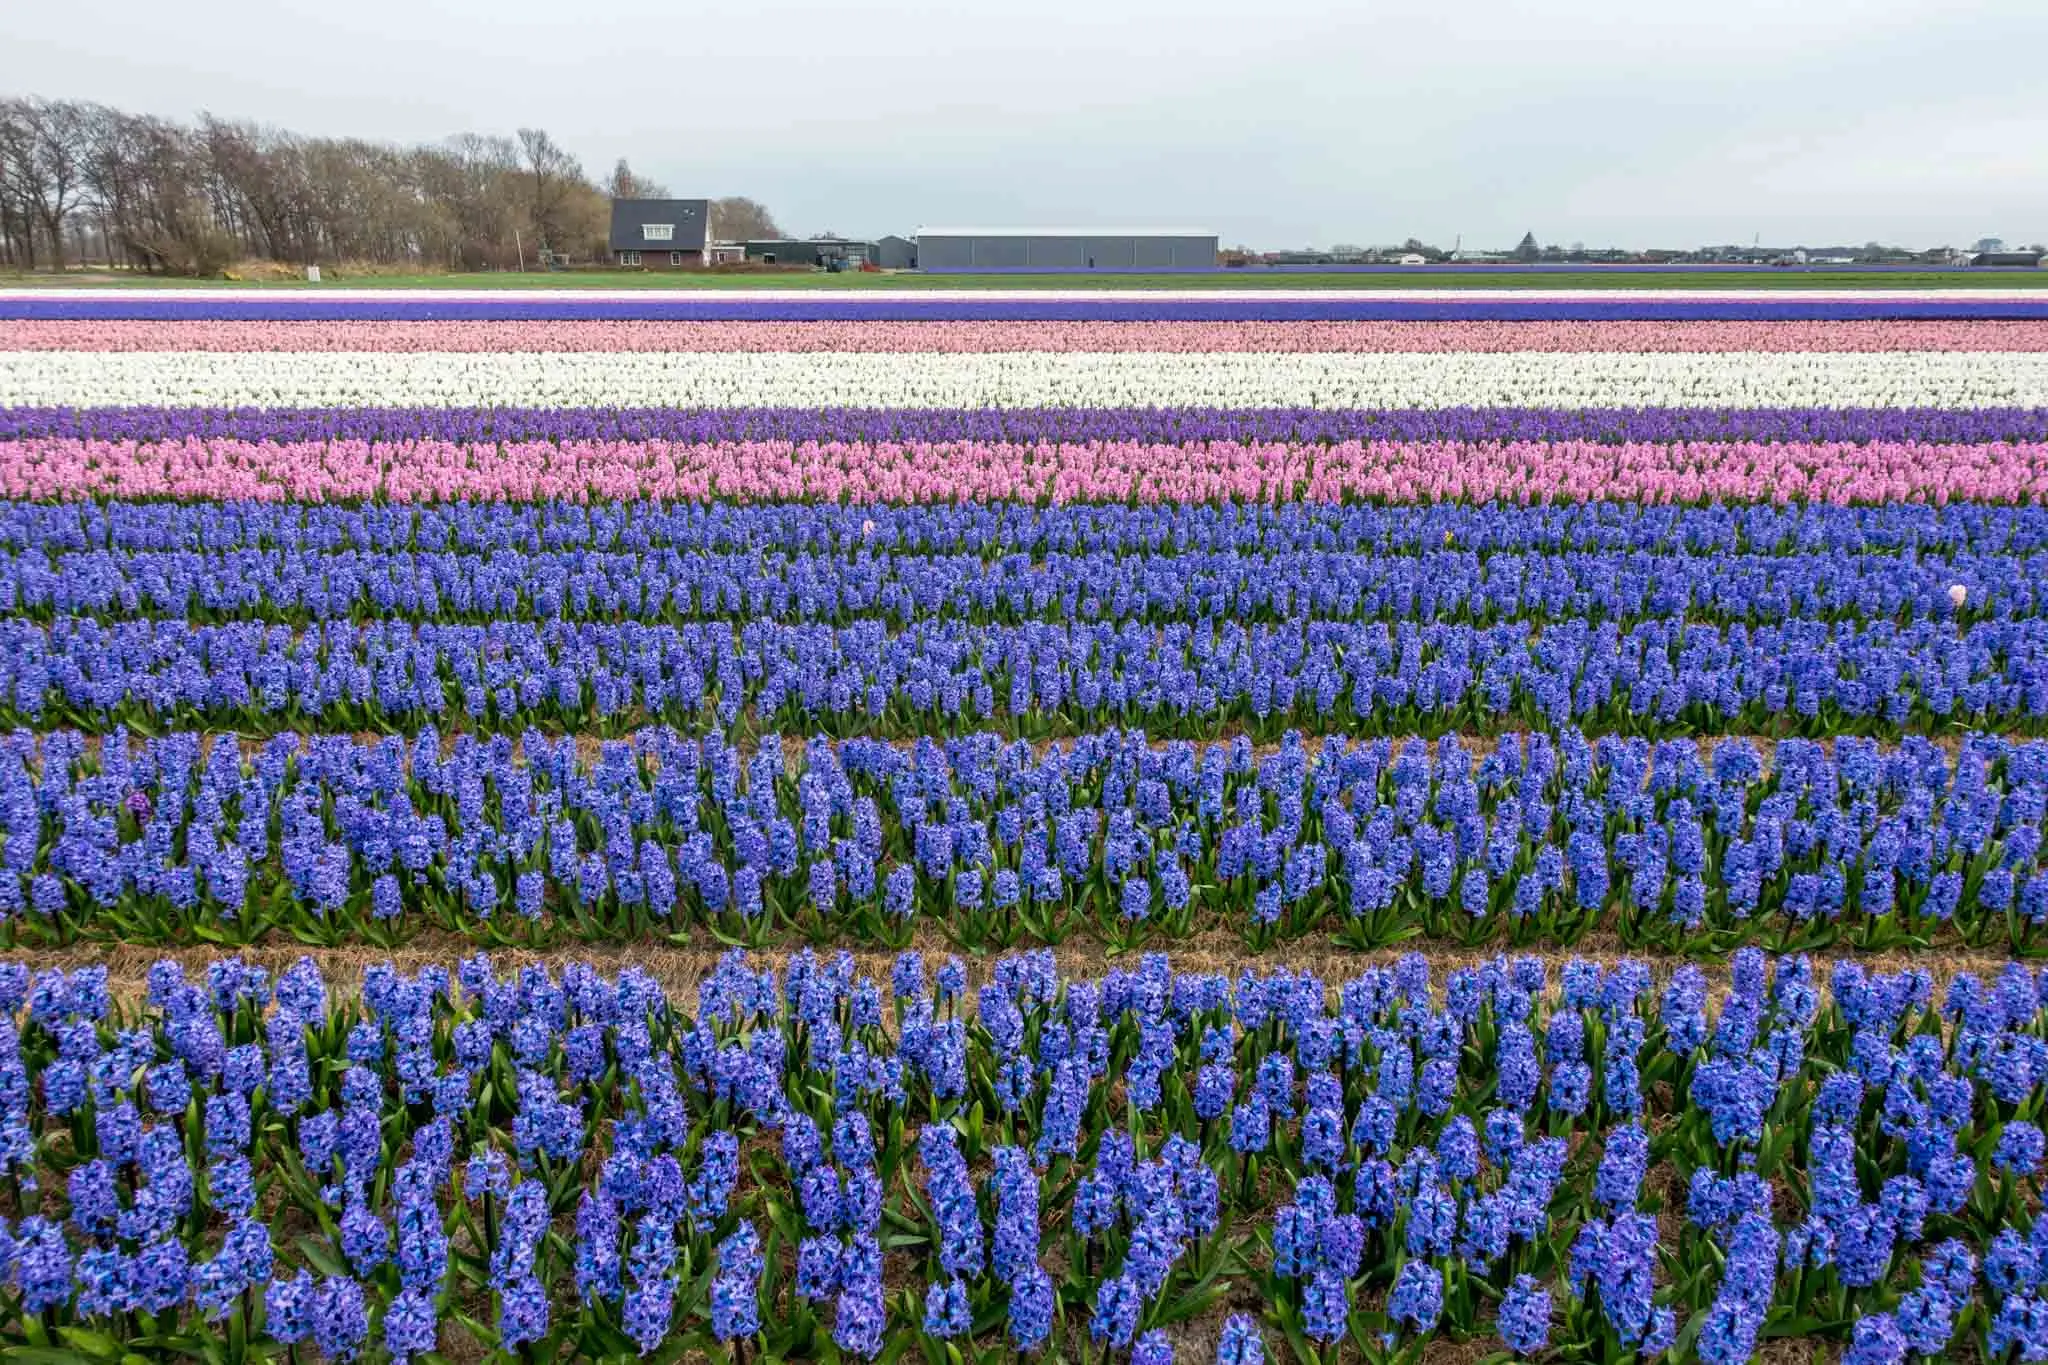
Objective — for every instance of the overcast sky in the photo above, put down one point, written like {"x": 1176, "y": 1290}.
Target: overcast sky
{"x": 1279, "y": 123}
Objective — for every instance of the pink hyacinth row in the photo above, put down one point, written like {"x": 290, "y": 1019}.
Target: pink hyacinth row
{"x": 1108, "y": 471}
{"x": 1024, "y": 336}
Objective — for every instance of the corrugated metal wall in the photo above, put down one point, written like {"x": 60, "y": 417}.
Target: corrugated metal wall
{"x": 943, "y": 254}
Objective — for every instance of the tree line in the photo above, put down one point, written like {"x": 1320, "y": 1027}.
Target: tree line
{"x": 82, "y": 183}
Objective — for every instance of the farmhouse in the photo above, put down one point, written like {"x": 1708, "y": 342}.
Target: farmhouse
{"x": 1078, "y": 249}
{"x": 659, "y": 234}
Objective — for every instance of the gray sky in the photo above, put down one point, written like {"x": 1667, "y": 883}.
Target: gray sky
{"x": 1279, "y": 124}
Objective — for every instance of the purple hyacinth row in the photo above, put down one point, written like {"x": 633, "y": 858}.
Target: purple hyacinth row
{"x": 1150, "y": 425}
{"x": 739, "y": 307}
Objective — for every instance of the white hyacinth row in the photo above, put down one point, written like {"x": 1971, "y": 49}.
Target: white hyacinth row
{"x": 1018, "y": 380}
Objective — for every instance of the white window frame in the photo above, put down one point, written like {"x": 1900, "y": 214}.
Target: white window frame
{"x": 675, "y": 258}
{"x": 629, "y": 258}
{"x": 657, "y": 232}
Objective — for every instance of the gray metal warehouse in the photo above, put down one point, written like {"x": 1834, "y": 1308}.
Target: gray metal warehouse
{"x": 944, "y": 249}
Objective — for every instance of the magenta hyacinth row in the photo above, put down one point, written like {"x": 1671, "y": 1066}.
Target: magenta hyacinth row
{"x": 918, "y": 472}
{"x": 859, "y": 336}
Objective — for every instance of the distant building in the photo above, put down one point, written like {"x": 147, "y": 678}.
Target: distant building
{"x": 1075, "y": 249}
{"x": 812, "y": 251}
{"x": 1752, "y": 255}
{"x": 659, "y": 234}
{"x": 1411, "y": 258}
{"x": 896, "y": 253}
{"x": 2028, "y": 259}
{"x": 725, "y": 253}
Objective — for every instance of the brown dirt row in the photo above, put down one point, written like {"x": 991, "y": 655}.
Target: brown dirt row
{"x": 588, "y": 746}
{"x": 680, "y": 967}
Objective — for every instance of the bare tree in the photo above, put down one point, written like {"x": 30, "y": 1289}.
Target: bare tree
{"x": 739, "y": 219}
{"x": 148, "y": 182}
{"x": 59, "y": 158}
{"x": 553, "y": 174}
{"x": 626, "y": 185}
{"x": 42, "y": 153}
{"x": 257, "y": 187}
{"x": 476, "y": 180}
{"x": 17, "y": 177}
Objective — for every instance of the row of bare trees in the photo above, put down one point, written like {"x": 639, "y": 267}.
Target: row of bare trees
{"x": 84, "y": 183}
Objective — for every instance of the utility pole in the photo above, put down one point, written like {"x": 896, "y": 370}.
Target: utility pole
{"x": 520, "y": 247}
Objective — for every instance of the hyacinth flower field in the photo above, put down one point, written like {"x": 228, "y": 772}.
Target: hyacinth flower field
{"x": 1116, "y": 828}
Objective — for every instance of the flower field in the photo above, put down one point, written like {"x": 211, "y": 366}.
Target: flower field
{"x": 1102, "y": 828}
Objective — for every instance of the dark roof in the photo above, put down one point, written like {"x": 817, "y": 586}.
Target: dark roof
{"x": 2032, "y": 258}
{"x": 688, "y": 219}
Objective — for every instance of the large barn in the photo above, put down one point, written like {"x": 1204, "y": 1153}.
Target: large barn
{"x": 943, "y": 249}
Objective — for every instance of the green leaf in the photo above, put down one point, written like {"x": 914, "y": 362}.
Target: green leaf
{"x": 91, "y": 1342}
{"x": 1188, "y": 1305}
{"x": 320, "y": 1257}
{"x": 1804, "y": 1327}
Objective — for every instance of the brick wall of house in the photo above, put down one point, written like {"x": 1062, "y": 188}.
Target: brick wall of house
{"x": 659, "y": 259}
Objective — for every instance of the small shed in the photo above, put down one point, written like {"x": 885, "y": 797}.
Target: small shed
{"x": 896, "y": 253}
{"x": 810, "y": 251}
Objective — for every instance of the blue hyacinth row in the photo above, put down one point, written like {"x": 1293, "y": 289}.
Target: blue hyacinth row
{"x": 1658, "y": 677}
{"x": 1678, "y": 845}
{"x": 1593, "y": 1165}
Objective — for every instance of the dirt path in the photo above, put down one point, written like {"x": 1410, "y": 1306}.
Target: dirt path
{"x": 680, "y": 967}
